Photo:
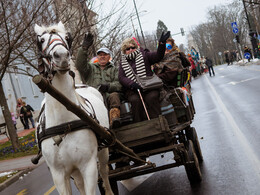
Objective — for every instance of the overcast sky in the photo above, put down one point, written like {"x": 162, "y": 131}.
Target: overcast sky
{"x": 175, "y": 14}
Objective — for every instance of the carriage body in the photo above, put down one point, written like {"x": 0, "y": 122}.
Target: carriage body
{"x": 167, "y": 133}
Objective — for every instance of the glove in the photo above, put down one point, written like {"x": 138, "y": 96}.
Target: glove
{"x": 103, "y": 88}
{"x": 135, "y": 86}
{"x": 164, "y": 37}
{"x": 88, "y": 41}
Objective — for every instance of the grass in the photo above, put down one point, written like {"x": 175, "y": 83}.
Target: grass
{"x": 27, "y": 147}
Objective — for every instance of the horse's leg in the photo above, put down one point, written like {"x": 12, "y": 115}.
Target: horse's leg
{"x": 61, "y": 181}
{"x": 103, "y": 157}
{"x": 78, "y": 181}
{"x": 90, "y": 176}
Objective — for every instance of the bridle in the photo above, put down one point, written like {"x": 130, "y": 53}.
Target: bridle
{"x": 45, "y": 61}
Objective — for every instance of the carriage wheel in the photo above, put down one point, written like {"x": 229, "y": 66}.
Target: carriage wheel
{"x": 192, "y": 135}
{"x": 192, "y": 166}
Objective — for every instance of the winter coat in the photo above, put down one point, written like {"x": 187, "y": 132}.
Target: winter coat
{"x": 169, "y": 67}
{"x": 209, "y": 62}
{"x": 93, "y": 75}
{"x": 150, "y": 58}
{"x": 26, "y": 111}
{"x": 192, "y": 63}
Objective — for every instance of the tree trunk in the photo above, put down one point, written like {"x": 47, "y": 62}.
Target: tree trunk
{"x": 8, "y": 119}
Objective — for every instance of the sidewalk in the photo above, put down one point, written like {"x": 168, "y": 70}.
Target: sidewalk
{"x": 21, "y": 164}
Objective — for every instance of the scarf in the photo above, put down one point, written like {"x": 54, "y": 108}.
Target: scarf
{"x": 139, "y": 61}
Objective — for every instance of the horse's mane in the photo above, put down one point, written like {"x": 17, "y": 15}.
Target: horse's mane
{"x": 54, "y": 29}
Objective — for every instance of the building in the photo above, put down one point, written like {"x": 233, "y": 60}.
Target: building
{"x": 21, "y": 86}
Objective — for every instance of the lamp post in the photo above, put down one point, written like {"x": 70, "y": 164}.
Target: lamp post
{"x": 139, "y": 23}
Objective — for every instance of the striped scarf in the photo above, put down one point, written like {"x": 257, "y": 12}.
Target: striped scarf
{"x": 139, "y": 61}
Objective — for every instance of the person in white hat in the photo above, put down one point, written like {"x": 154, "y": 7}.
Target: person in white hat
{"x": 103, "y": 75}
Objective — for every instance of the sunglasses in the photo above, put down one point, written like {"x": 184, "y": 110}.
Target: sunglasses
{"x": 168, "y": 46}
{"x": 127, "y": 49}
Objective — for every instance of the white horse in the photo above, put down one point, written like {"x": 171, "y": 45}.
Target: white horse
{"x": 76, "y": 155}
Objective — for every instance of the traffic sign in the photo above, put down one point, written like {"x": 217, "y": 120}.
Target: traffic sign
{"x": 247, "y": 55}
{"x": 234, "y": 24}
{"x": 235, "y": 30}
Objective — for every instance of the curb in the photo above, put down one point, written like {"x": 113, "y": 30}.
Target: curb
{"x": 14, "y": 178}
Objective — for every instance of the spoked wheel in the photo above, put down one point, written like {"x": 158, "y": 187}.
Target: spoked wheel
{"x": 192, "y": 135}
{"x": 192, "y": 165}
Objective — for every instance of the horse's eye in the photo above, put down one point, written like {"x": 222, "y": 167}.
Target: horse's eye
{"x": 42, "y": 40}
{"x": 67, "y": 38}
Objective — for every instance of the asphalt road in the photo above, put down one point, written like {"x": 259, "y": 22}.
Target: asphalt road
{"x": 227, "y": 123}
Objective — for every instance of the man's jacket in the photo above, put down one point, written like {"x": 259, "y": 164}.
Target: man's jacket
{"x": 93, "y": 75}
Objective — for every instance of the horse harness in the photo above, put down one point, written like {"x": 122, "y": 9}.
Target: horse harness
{"x": 44, "y": 70}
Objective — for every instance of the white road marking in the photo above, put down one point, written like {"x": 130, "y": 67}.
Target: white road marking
{"x": 234, "y": 82}
{"x": 132, "y": 183}
{"x": 237, "y": 132}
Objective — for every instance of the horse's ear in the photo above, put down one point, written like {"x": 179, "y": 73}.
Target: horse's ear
{"x": 60, "y": 25}
{"x": 69, "y": 39}
{"x": 37, "y": 29}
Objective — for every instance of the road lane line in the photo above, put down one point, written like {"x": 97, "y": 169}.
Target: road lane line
{"x": 249, "y": 152}
{"x": 23, "y": 192}
{"x": 50, "y": 190}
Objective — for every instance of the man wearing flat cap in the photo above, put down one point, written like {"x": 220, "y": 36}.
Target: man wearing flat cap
{"x": 102, "y": 75}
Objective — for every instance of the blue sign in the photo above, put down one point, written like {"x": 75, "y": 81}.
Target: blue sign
{"x": 235, "y": 30}
{"x": 234, "y": 24}
{"x": 247, "y": 55}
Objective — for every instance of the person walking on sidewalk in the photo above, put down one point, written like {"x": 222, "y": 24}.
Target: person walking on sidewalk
{"x": 18, "y": 111}
{"x": 209, "y": 63}
{"x": 26, "y": 111}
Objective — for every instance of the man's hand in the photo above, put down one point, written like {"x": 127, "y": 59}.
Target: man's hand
{"x": 103, "y": 88}
{"x": 88, "y": 41}
{"x": 164, "y": 37}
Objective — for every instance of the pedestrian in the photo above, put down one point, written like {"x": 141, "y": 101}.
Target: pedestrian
{"x": 193, "y": 67}
{"x": 139, "y": 60}
{"x": 14, "y": 120}
{"x": 18, "y": 112}
{"x": 209, "y": 63}
{"x": 26, "y": 111}
{"x": 102, "y": 75}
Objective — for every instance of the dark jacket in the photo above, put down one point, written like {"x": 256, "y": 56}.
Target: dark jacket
{"x": 150, "y": 58}
{"x": 93, "y": 75}
{"x": 209, "y": 62}
{"x": 27, "y": 111}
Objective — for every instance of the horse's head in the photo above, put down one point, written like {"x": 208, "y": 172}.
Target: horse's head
{"x": 54, "y": 45}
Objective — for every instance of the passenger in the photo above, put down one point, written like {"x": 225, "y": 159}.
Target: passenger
{"x": 140, "y": 60}
{"x": 102, "y": 75}
{"x": 172, "y": 64}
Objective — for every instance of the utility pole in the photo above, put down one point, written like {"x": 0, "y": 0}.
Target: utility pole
{"x": 139, "y": 23}
{"x": 251, "y": 33}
